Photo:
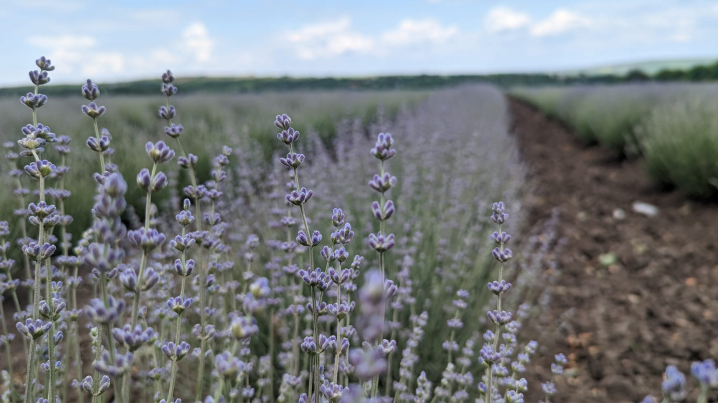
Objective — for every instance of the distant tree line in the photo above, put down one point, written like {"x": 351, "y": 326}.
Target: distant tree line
{"x": 254, "y": 84}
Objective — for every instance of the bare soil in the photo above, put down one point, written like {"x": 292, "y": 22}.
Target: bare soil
{"x": 620, "y": 322}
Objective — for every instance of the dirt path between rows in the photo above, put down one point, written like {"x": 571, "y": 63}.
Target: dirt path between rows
{"x": 656, "y": 304}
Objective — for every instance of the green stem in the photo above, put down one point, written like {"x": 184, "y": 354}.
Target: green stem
{"x": 51, "y": 334}
{"x": 218, "y": 392}
{"x": 339, "y": 340}
{"x": 75, "y": 337}
{"x": 108, "y": 331}
{"x": 98, "y": 355}
{"x": 315, "y": 357}
{"x": 703, "y": 397}
{"x": 8, "y": 350}
{"x": 173, "y": 373}
{"x": 102, "y": 157}
{"x": 203, "y": 323}
{"x": 29, "y": 378}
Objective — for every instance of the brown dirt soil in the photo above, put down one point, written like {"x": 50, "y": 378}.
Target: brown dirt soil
{"x": 621, "y": 323}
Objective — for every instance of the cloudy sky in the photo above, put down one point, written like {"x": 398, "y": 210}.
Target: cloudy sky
{"x": 138, "y": 38}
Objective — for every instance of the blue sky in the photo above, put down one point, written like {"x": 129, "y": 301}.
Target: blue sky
{"x": 123, "y": 40}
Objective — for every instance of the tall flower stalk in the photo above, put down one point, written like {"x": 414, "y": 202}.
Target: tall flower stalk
{"x": 184, "y": 268}
{"x": 43, "y": 216}
{"x": 491, "y": 353}
{"x": 299, "y": 197}
{"x": 383, "y": 210}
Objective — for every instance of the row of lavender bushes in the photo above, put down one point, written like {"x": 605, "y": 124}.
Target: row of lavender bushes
{"x": 670, "y": 126}
{"x": 371, "y": 270}
{"x": 238, "y": 121}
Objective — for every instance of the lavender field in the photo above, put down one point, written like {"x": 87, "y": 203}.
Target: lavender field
{"x": 236, "y": 258}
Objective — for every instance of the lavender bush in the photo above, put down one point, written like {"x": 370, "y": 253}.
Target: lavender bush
{"x": 288, "y": 282}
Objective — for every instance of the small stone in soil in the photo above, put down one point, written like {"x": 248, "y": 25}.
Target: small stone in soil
{"x": 619, "y": 214}
{"x": 646, "y": 209}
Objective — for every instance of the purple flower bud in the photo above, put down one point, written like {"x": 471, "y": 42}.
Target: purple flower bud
{"x": 340, "y": 277}
{"x": 149, "y": 279}
{"x": 159, "y": 152}
{"x": 33, "y": 329}
{"x": 159, "y": 182}
{"x": 174, "y": 130}
{"x": 488, "y": 355}
{"x": 293, "y": 160}
{"x": 283, "y": 121}
{"x": 188, "y": 162}
{"x": 175, "y": 352}
{"x": 300, "y": 197}
{"x": 382, "y": 183}
{"x": 499, "y": 287}
{"x": 98, "y": 145}
{"x": 101, "y": 314}
{"x": 146, "y": 239}
{"x": 93, "y": 111}
{"x": 40, "y": 169}
{"x": 39, "y": 78}
{"x": 674, "y": 385}
{"x": 169, "y": 89}
{"x": 380, "y": 242}
{"x": 260, "y": 288}
{"x": 243, "y": 327}
{"x": 385, "y": 213}
{"x": 90, "y": 91}
{"x": 167, "y": 77}
{"x": 383, "y": 148}
{"x": 179, "y": 304}
{"x": 502, "y": 256}
{"x": 185, "y": 269}
{"x": 228, "y": 366}
{"x": 35, "y": 251}
{"x": 167, "y": 113}
{"x": 389, "y": 289}
{"x": 34, "y": 101}
{"x": 340, "y": 310}
{"x": 44, "y": 64}
{"x": 500, "y": 238}
{"x": 500, "y": 318}
{"x": 143, "y": 179}
{"x": 128, "y": 278}
{"x": 288, "y": 136}
{"x": 135, "y": 338}
{"x": 549, "y": 388}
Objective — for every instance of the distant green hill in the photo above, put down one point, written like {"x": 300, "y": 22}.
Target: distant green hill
{"x": 253, "y": 84}
{"x": 651, "y": 67}
{"x": 668, "y": 70}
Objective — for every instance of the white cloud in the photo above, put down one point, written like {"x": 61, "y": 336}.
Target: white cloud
{"x": 52, "y": 5}
{"x": 419, "y": 31}
{"x": 320, "y": 30}
{"x": 505, "y": 19}
{"x": 559, "y": 22}
{"x": 64, "y": 42}
{"x": 105, "y": 62}
{"x": 84, "y": 55}
{"x": 328, "y": 39}
{"x": 74, "y": 52}
{"x": 198, "y": 42}
{"x": 331, "y": 39}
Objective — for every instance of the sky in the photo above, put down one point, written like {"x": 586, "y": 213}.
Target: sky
{"x": 123, "y": 40}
